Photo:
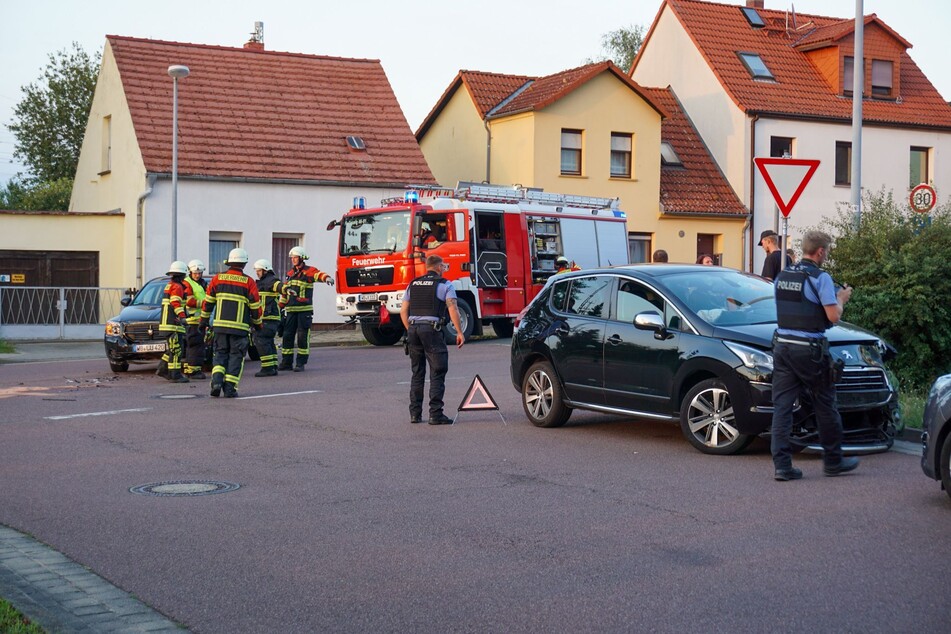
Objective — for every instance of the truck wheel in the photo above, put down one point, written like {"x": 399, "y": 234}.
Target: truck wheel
{"x": 466, "y": 320}
{"x": 381, "y": 335}
{"x": 503, "y": 328}
{"x": 708, "y": 421}
{"x": 119, "y": 366}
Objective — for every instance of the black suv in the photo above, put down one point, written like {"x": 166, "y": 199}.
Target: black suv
{"x": 685, "y": 343}
{"x": 936, "y": 433}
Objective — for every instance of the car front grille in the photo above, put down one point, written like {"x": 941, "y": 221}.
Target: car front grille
{"x": 143, "y": 331}
{"x": 373, "y": 276}
{"x": 862, "y": 380}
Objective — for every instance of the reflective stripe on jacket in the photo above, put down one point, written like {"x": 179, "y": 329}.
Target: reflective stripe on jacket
{"x": 173, "y": 307}
{"x": 234, "y": 298}
{"x": 269, "y": 288}
{"x": 301, "y": 280}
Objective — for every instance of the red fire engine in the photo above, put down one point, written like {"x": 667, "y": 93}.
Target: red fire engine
{"x": 500, "y": 244}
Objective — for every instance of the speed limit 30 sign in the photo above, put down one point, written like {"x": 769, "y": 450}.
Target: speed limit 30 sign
{"x": 922, "y": 198}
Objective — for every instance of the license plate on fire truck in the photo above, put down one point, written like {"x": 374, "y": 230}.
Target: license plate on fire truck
{"x": 150, "y": 347}
{"x": 368, "y": 297}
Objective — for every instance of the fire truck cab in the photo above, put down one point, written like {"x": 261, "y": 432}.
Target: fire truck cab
{"x": 500, "y": 243}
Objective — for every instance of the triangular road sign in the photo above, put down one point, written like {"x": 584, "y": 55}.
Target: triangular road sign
{"x": 786, "y": 179}
{"x": 477, "y": 397}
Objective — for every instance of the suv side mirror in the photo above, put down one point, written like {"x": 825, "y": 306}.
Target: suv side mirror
{"x": 650, "y": 320}
{"x": 125, "y": 301}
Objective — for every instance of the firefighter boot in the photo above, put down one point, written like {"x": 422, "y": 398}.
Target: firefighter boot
{"x": 287, "y": 363}
{"x": 162, "y": 370}
{"x": 176, "y": 376}
{"x": 197, "y": 375}
{"x": 216, "y": 381}
{"x": 272, "y": 371}
{"x": 230, "y": 390}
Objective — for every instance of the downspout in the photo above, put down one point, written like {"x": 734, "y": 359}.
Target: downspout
{"x": 139, "y": 233}
{"x": 748, "y": 227}
{"x": 488, "y": 151}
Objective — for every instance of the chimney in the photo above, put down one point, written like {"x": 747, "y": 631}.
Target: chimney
{"x": 756, "y": 4}
{"x": 256, "y": 42}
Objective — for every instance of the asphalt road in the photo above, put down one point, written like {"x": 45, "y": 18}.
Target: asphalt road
{"x": 350, "y": 519}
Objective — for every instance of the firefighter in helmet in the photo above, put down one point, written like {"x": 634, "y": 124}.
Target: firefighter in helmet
{"x": 173, "y": 323}
{"x": 269, "y": 288}
{"x": 234, "y": 298}
{"x": 562, "y": 265}
{"x": 297, "y": 302}
{"x": 194, "y": 340}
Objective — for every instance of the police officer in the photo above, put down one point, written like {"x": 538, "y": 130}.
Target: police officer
{"x": 194, "y": 339}
{"x": 297, "y": 301}
{"x": 173, "y": 323}
{"x": 425, "y": 304}
{"x": 269, "y": 288}
{"x": 807, "y": 303}
{"x": 234, "y": 298}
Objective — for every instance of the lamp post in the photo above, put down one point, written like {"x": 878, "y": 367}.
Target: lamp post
{"x": 176, "y": 73}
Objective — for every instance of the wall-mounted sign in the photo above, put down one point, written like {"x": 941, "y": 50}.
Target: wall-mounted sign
{"x": 4, "y": 278}
{"x": 18, "y": 278}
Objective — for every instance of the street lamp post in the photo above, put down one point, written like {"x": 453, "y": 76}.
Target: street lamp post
{"x": 176, "y": 73}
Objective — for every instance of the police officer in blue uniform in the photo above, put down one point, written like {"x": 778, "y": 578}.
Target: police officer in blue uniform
{"x": 807, "y": 303}
{"x": 426, "y": 303}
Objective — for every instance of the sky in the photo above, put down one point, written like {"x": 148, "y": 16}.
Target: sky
{"x": 421, "y": 44}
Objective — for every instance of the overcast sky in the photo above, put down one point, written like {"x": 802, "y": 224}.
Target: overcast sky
{"x": 422, "y": 44}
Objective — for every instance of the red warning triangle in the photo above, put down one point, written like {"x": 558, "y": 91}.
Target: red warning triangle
{"x": 477, "y": 397}
{"x": 786, "y": 178}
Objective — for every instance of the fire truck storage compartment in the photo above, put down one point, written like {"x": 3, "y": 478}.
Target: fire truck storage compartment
{"x": 491, "y": 270}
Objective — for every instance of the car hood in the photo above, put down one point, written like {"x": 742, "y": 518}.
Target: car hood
{"x": 762, "y": 334}
{"x": 141, "y": 312}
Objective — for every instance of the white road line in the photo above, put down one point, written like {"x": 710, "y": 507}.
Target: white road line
{"x": 245, "y": 398}
{"x": 109, "y": 413}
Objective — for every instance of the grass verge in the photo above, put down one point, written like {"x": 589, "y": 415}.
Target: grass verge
{"x": 913, "y": 408}
{"x": 13, "y": 622}
{"x": 5, "y": 347}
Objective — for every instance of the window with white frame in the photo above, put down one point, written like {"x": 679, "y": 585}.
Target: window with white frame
{"x": 220, "y": 244}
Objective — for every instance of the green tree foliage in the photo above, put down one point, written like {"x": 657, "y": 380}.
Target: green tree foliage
{"x": 37, "y": 196}
{"x": 898, "y": 263}
{"x": 50, "y": 120}
{"x": 621, "y": 46}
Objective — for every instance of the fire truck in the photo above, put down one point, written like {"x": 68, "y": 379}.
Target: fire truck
{"x": 500, "y": 243}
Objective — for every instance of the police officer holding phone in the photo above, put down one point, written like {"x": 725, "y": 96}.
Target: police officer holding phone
{"x": 807, "y": 303}
{"x": 425, "y": 304}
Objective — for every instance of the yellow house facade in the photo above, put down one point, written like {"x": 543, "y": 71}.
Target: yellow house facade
{"x": 586, "y": 131}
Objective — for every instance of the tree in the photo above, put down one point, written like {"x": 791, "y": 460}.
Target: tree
{"x": 621, "y": 46}
{"x": 50, "y": 121}
{"x": 39, "y": 196}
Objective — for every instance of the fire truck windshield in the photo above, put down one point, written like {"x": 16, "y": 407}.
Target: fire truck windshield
{"x": 386, "y": 232}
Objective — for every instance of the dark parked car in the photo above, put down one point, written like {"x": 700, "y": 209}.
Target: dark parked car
{"x": 133, "y": 335}
{"x": 936, "y": 433}
{"x": 684, "y": 343}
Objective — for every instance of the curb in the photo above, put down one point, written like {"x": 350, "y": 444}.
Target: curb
{"x": 910, "y": 435}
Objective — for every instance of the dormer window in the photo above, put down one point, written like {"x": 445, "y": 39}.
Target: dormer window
{"x": 881, "y": 78}
{"x": 756, "y": 66}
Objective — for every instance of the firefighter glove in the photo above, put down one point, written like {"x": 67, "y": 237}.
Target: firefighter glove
{"x": 330, "y": 281}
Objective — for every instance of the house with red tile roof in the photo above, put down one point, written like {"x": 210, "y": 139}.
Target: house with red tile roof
{"x": 760, "y": 82}
{"x": 589, "y": 131}
{"x": 271, "y": 147}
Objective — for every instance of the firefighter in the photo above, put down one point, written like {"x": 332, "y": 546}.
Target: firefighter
{"x": 194, "y": 339}
{"x": 562, "y": 265}
{"x": 269, "y": 288}
{"x": 173, "y": 323}
{"x": 297, "y": 301}
{"x": 234, "y": 298}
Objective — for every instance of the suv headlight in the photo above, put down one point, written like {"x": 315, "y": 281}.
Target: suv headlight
{"x": 114, "y": 328}
{"x": 751, "y": 357}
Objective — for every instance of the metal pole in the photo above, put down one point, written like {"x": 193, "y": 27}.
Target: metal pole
{"x": 174, "y": 168}
{"x": 858, "y": 92}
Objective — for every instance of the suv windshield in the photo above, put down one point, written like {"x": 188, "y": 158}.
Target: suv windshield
{"x": 151, "y": 294}
{"x": 386, "y": 232}
{"x": 725, "y": 298}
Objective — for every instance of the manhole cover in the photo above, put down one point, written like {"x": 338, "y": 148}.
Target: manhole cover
{"x": 185, "y": 488}
{"x": 176, "y": 396}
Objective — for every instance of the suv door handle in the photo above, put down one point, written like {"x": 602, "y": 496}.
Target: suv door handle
{"x": 615, "y": 340}
{"x": 562, "y": 330}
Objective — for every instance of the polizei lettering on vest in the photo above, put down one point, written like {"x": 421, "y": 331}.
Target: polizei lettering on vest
{"x": 786, "y": 285}
{"x": 424, "y": 282}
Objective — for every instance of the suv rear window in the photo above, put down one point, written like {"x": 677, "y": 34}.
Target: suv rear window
{"x": 586, "y": 296}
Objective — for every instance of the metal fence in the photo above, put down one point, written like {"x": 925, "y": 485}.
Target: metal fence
{"x": 36, "y": 312}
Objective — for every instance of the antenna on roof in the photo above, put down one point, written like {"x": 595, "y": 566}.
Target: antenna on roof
{"x": 258, "y": 35}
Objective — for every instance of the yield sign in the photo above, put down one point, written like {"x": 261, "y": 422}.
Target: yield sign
{"x": 786, "y": 179}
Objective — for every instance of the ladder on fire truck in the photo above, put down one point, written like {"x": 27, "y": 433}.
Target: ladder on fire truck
{"x": 482, "y": 192}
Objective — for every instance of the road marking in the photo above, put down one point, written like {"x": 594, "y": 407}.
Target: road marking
{"x": 109, "y": 413}
{"x": 245, "y": 398}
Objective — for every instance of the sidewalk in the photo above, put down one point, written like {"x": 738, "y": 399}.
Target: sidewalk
{"x": 58, "y": 350}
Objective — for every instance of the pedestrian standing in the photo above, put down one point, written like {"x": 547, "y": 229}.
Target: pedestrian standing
{"x": 426, "y": 303}
{"x": 269, "y": 288}
{"x": 173, "y": 323}
{"x": 769, "y": 240}
{"x": 297, "y": 301}
{"x": 659, "y": 256}
{"x": 234, "y": 298}
{"x": 705, "y": 259}
{"x": 194, "y": 339}
{"x": 807, "y": 303}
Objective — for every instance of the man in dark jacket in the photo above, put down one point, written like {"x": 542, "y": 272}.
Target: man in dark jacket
{"x": 769, "y": 240}
{"x": 269, "y": 288}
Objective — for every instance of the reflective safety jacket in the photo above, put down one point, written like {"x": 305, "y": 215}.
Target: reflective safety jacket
{"x": 234, "y": 298}
{"x": 298, "y": 293}
{"x": 173, "y": 306}
{"x": 269, "y": 287}
{"x": 793, "y": 310}
{"x": 194, "y": 297}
